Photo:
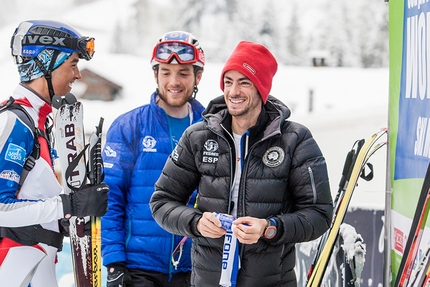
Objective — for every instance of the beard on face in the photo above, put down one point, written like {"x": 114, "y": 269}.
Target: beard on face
{"x": 174, "y": 103}
{"x": 248, "y": 109}
{"x": 239, "y": 113}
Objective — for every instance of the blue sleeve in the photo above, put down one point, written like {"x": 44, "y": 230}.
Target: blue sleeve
{"x": 16, "y": 144}
{"x": 118, "y": 158}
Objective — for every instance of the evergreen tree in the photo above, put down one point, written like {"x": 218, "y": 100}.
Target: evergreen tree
{"x": 116, "y": 46}
{"x": 294, "y": 48}
{"x": 372, "y": 34}
{"x": 354, "y": 34}
{"x": 268, "y": 32}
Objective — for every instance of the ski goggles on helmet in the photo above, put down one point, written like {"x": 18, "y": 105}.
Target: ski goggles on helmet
{"x": 32, "y": 45}
{"x": 184, "y": 53}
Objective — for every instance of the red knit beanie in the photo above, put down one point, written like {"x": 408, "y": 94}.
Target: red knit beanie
{"x": 254, "y": 61}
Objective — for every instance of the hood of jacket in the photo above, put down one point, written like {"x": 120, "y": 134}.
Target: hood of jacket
{"x": 274, "y": 112}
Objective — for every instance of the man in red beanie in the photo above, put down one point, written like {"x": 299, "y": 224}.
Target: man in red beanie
{"x": 262, "y": 181}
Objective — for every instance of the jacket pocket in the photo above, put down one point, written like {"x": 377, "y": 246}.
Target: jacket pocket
{"x": 314, "y": 189}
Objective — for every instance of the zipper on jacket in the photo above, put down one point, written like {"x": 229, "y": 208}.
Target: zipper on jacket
{"x": 314, "y": 189}
{"x": 243, "y": 156}
{"x": 232, "y": 172}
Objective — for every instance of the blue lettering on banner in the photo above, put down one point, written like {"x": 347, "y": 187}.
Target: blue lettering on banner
{"x": 226, "y": 249}
{"x": 15, "y": 153}
{"x": 413, "y": 138}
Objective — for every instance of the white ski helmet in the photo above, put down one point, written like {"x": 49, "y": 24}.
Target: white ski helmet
{"x": 178, "y": 47}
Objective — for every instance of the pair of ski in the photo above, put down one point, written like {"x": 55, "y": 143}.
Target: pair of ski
{"x": 354, "y": 167}
{"x": 76, "y": 172}
{"x": 421, "y": 276}
{"x": 406, "y": 276}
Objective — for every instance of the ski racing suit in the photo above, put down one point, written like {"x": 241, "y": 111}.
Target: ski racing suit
{"x": 37, "y": 207}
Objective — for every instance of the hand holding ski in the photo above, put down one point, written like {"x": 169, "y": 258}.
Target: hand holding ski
{"x": 82, "y": 183}
{"x": 87, "y": 201}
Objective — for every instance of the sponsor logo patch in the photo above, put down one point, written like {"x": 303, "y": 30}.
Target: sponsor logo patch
{"x": 210, "y": 152}
{"x": 273, "y": 157}
{"x": 107, "y": 165}
{"x": 248, "y": 67}
{"x": 10, "y": 175}
{"x": 175, "y": 155}
{"x": 399, "y": 240}
{"x": 149, "y": 143}
{"x": 110, "y": 152}
{"x": 15, "y": 153}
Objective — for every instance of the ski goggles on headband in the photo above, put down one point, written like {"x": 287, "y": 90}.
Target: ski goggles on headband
{"x": 184, "y": 53}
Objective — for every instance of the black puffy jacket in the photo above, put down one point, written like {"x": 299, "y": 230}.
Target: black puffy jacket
{"x": 284, "y": 176}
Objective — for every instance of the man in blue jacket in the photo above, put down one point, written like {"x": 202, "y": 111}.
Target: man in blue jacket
{"x": 135, "y": 249}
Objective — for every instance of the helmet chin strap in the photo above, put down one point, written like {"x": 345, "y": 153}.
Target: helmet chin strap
{"x": 48, "y": 72}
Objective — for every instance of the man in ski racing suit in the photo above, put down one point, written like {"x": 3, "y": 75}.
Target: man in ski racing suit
{"x": 136, "y": 250}
{"x": 251, "y": 163}
{"x": 32, "y": 203}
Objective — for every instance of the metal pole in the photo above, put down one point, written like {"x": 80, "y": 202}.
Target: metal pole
{"x": 387, "y": 221}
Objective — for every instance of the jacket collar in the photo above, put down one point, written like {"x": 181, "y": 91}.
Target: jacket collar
{"x": 194, "y": 108}
{"x": 274, "y": 112}
{"x": 26, "y": 96}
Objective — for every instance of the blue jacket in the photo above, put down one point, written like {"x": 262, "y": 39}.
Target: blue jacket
{"x": 138, "y": 144}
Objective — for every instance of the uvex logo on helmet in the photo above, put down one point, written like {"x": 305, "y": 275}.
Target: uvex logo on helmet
{"x": 44, "y": 40}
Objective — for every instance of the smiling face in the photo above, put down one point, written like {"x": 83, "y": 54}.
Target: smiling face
{"x": 65, "y": 75}
{"x": 176, "y": 83}
{"x": 175, "y": 86}
{"x": 242, "y": 98}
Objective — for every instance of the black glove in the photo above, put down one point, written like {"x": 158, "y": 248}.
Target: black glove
{"x": 90, "y": 200}
{"x": 118, "y": 275}
{"x": 64, "y": 225}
